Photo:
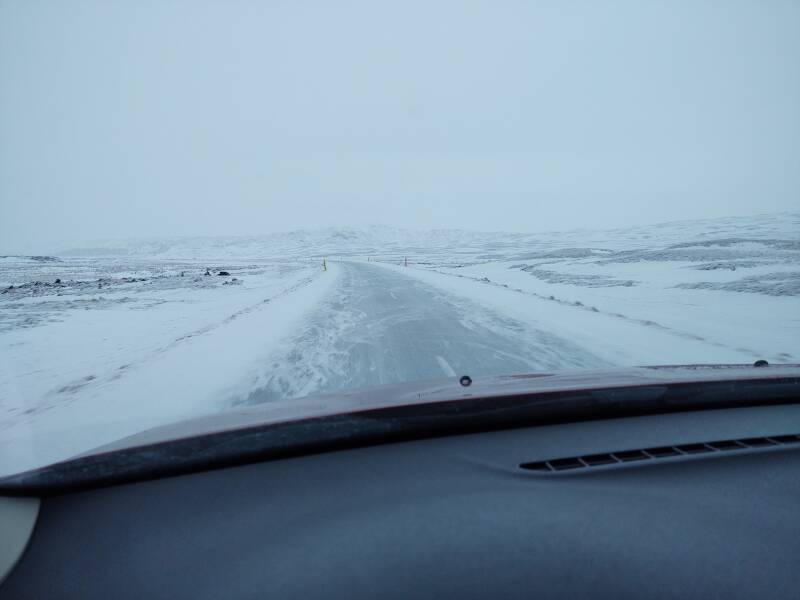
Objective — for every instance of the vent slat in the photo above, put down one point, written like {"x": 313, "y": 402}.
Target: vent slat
{"x": 630, "y": 455}
{"x": 593, "y": 460}
{"x": 727, "y": 445}
{"x": 657, "y": 452}
{"x": 561, "y": 464}
{"x": 758, "y": 442}
{"x": 537, "y": 466}
{"x": 694, "y": 448}
{"x": 662, "y": 451}
{"x": 786, "y": 439}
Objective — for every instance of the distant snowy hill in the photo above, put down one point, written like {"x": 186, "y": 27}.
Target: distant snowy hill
{"x": 380, "y": 240}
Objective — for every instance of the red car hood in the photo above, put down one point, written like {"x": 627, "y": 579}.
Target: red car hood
{"x": 449, "y": 390}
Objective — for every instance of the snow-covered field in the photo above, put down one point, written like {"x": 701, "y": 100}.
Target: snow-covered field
{"x": 703, "y": 292}
{"x": 100, "y": 342}
{"x": 119, "y": 346}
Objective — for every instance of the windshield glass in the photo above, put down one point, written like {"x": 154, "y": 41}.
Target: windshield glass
{"x": 214, "y": 206}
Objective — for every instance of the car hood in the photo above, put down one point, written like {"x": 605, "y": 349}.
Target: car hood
{"x": 448, "y": 391}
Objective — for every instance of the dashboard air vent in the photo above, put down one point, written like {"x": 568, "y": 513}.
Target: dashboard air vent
{"x": 623, "y": 456}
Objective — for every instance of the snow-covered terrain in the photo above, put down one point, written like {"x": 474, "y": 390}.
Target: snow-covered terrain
{"x": 103, "y": 341}
{"x": 118, "y": 346}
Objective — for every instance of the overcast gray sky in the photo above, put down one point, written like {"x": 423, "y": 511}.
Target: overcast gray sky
{"x": 136, "y": 117}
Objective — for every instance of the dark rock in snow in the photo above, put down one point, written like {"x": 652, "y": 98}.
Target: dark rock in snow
{"x": 57, "y": 281}
{"x": 223, "y": 273}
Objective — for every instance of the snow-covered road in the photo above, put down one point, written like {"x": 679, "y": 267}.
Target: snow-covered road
{"x": 105, "y": 342}
{"x": 380, "y": 326}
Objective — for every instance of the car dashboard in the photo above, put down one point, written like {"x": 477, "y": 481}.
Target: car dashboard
{"x": 691, "y": 504}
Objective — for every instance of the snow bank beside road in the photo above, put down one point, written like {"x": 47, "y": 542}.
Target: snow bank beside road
{"x": 146, "y": 356}
{"x": 707, "y": 291}
{"x": 617, "y": 340}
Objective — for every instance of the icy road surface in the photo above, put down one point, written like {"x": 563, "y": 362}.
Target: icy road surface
{"x": 99, "y": 343}
{"x": 381, "y": 326}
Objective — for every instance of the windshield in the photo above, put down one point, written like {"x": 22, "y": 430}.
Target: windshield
{"x": 209, "y": 207}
